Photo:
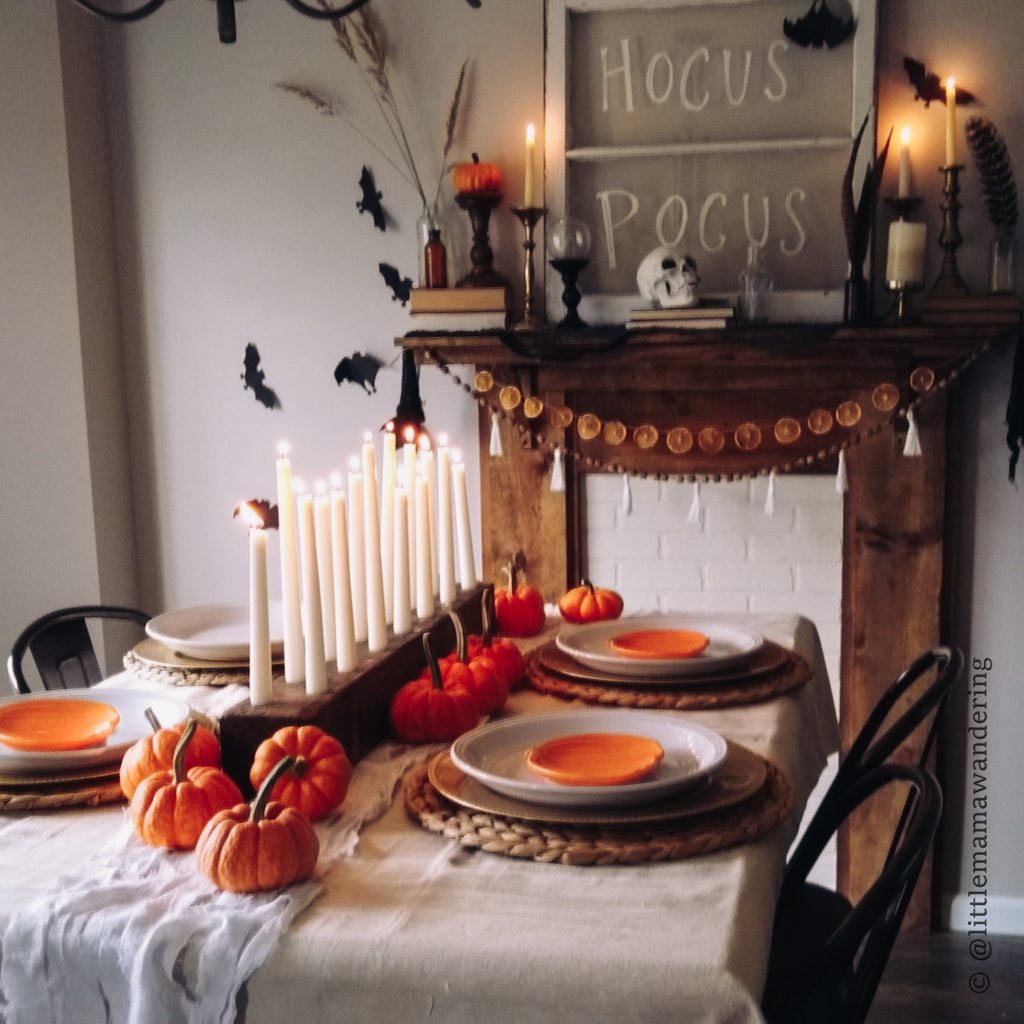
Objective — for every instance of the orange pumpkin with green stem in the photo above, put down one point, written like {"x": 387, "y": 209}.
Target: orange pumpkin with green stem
{"x": 587, "y": 603}
{"x": 506, "y": 654}
{"x": 258, "y": 846}
{"x": 171, "y": 808}
{"x": 319, "y": 778}
{"x": 156, "y": 753}
{"x": 479, "y": 673}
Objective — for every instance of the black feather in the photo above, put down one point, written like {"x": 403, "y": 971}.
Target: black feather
{"x": 254, "y": 377}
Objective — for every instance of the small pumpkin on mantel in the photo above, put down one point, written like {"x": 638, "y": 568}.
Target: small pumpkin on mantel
{"x": 477, "y": 177}
{"x": 258, "y": 846}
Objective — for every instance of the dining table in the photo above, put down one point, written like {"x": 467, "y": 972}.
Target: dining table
{"x": 416, "y": 913}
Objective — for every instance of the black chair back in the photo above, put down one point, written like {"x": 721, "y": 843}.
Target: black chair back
{"x": 61, "y": 647}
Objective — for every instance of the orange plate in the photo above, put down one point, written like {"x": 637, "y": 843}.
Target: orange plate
{"x": 660, "y": 644}
{"x": 596, "y": 758}
{"x": 58, "y": 724}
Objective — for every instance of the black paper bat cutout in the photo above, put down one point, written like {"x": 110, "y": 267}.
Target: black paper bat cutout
{"x": 254, "y": 377}
{"x": 401, "y": 287}
{"x": 928, "y": 86}
{"x": 370, "y": 203}
{"x": 268, "y": 512}
{"x": 359, "y": 368}
{"x": 819, "y": 27}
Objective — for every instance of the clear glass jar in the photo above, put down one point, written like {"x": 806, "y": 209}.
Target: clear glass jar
{"x": 755, "y": 282}
{"x": 1002, "y": 278}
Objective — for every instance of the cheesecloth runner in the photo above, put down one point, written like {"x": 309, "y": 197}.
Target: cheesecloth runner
{"x": 138, "y": 935}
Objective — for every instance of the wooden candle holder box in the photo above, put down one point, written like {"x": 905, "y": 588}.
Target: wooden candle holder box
{"x": 356, "y": 707}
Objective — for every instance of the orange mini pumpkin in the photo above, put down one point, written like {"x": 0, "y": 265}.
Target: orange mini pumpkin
{"x": 317, "y": 782}
{"x": 428, "y": 709}
{"x": 258, "y": 846}
{"x": 587, "y": 603}
{"x": 505, "y": 653}
{"x": 171, "y": 808}
{"x": 478, "y": 672}
{"x": 156, "y": 753}
{"x": 476, "y": 177}
{"x": 519, "y": 609}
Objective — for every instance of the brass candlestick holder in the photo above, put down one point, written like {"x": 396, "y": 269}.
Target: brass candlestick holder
{"x": 950, "y": 239}
{"x": 529, "y": 216}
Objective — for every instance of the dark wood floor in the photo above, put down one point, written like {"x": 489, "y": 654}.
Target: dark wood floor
{"x": 929, "y": 981}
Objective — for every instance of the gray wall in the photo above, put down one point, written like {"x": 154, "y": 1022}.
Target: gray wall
{"x": 230, "y": 217}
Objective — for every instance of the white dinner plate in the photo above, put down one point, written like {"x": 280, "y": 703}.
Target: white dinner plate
{"x": 214, "y": 632}
{"x": 728, "y": 646}
{"x": 496, "y": 756}
{"x": 131, "y": 706}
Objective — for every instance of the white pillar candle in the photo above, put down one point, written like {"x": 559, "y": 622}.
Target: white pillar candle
{"x": 403, "y": 602}
{"x": 357, "y": 549}
{"x": 260, "y": 673}
{"x": 376, "y": 624}
{"x": 427, "y": 468}
{"x": 903, "y": 188}
{"x": 409, "y": 482}
{"x": 463, "y": 530}
{"x": 905, "y": 262}
{"x": 387, "y": 521}
{"x": 316, "y": 660}
{"x": 325, "y": 566}
{"x": 290, "y": 599}
{"x": 445, "y": 539}
{"x": 344, "y": 629}
{"x": 424, "y": 570}
{"x": 528, "y": 176}
{"x": 950, "y": 122}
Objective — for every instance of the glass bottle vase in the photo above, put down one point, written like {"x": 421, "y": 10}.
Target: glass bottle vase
{"x": 1002, "y": 279}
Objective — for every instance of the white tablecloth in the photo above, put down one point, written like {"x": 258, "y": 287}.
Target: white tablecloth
{"x": 413, "y": 927}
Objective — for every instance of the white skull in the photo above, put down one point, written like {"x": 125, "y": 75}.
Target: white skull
{"x": 668, "y": 279}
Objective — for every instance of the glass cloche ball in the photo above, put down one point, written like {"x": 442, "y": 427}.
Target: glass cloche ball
{"x": 568, "y": 239}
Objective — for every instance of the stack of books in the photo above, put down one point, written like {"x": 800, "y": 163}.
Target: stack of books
{"x": 459, "y": 309}
{"x": 953, "y": 308}
{"x": 702, "y": 317}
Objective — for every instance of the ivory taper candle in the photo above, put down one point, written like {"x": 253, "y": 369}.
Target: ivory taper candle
{"x": 325, "y": 566}
{"x": 376, "y": 623}
{"x": 445, "y": 538}
{"x": 260, "y": 672}
{"x": 344, "y": 629}
{"x": 387, "y": 520}
{"x": 424, "y": 570}
{"x": 403, "y": 601}
{"x": 357, "y": 549}
{"x": 313, "y": 626}
{"x": 463, "y": 529}
{"x": 291, "y": 605}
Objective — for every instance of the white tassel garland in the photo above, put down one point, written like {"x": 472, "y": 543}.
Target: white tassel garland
{"x": 769, "y": 499}
{"x": 627, "y": 496}
{"x": 496, "y": 448}
{"x": 557, "y": 473}
{"x": 694, "y": 514}
{"x": 842, "y": 483}
{"x": 912, "y": 447}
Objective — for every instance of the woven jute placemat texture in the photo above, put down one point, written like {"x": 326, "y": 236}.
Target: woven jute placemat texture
{"x": 599, "y": 845}
{"x": 793, "y": 672}
{"x": 45, "y": 797}
{"x": 173, "y": 676}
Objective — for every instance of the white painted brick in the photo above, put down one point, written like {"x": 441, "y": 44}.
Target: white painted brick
{"x": 822, "y": 518}
{"x": 658, "y": 576}
{"x": 658, "y": 516}
{"x": 811, "y": 605}
{"x": 801, "y": 490}
{"x": 809, "y": 548}
{"x": 642, "y": 544}
{"x": 601, "y": 515}
{"x": 773, "y": 579}
{"x": 725, "y": 604}
{"x": 722, "y": 547}
{"x": 747, "y": 519}
{"x": 603, "y": 572}
{"x": 819, "y": 579}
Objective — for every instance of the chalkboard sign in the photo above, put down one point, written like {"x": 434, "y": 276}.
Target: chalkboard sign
{"x": 706, "y": 126}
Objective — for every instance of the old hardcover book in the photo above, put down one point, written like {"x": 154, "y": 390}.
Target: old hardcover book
{"x": 459, "y": 300}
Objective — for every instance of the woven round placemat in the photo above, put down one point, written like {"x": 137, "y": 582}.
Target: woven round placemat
{"x": 91, "y": 793}
{"x": 599, "y": 845}
{"x": 153, "y": 673}
{"x": 793, "y": 673}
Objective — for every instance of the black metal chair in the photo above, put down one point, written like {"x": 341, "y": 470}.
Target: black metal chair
{"x": 828, "y": 956}
{"x": 61, "y": 646}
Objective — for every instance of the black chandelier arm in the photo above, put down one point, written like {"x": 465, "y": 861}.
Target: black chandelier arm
{"x": 137, "y": 15}
{"x": 325, "y": 14}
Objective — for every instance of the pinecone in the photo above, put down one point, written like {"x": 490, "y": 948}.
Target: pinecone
{"x": 993, "y": 162}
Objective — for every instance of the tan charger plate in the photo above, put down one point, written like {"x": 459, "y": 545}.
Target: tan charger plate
{"x": 771, "y": 672}
{"x": 153, "y": 661}
{"x": 591, "y": 845}
{"x": 740, "y": 776}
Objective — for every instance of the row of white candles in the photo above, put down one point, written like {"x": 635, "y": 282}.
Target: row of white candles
{"x": 354, "y": 564}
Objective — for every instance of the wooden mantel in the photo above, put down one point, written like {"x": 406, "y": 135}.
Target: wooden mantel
{"x": 896, "y": 542}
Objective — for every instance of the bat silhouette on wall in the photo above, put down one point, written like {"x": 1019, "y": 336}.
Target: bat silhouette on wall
{"x": 359, "y": 368}
{"x": 268, "y": 512}
{"x": 370, "y": 203}
{"x": 928, "y": 86}
{"x": 819, "y": 27}
{"x": 254, "y": 377}
{"x": 400, "y": 286}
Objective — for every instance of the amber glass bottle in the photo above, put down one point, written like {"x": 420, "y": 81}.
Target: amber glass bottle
{"x": 435, "y": 261}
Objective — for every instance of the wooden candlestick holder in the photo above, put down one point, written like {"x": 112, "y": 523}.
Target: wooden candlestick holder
{"x": 479, "y": 206}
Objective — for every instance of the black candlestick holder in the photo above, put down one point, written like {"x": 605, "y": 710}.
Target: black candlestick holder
{"x": 479, "y": 206}
{"x": 570, "y": 270}
{"x": 529, "y": 216}
{"x": 950, "y": 239}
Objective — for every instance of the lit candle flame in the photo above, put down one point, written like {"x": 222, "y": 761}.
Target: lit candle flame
{"x": 251, "y": 516}
{"x": 283, "y": 449}
{"x": 298, "y": 487}
{"x": 335, "y": 481}
{"x": 905, "y": 135}
{"x": 353, "y": 463}
{"x": 410, "y": 435}
{"x": 320, "y": 486}
{"x": 442, "y": 439}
